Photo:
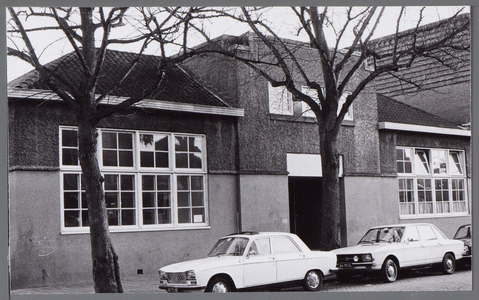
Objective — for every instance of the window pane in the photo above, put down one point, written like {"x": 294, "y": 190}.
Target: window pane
{"x": 183, "y": 199}
{"x": 181, "y": 143}
{"x": 198, "y": 215}
{"x": 70, "y": 157}
{"x": 109, "y": 158}
{"x": 70, "y": 182}
{"x": 72, "y": 218}
{"x": 182, "y": 160}
{"x": 147, "y": 159}
{"x": 161, "y": 142}
{"x": 283, "y": 245}
{"x": 195, "y": 144}
{"x": 439, "y": 161}
{"x": 164, "y": 216}
{"x": 126, "y": 158}
{"x": 149, "y": 216}
{"x": 146, "y": 142}
{"x": 197, "y": 198}
{"x": 109, "y": 140}
{"x": 111, "y": 182}
{"x": 163, "y": 199}
{"x": 183, "y": 182}
{"x": 195, "y": 161}
{"x": 127, "y": 199}
{"x": 184, "y": 215}
{"x": 69, "y": 138}
{"x": 125, "y": 141}
{"x": 113, "y": 218}
{"x": 421, "y": 163}
{"x": 84, "y": 218}
{"x": 111, "y": 200}
{"x": 163, "y": 183}
{"x": 197, "y": 183}
{"x": 127, "y": 183}
{"x": 148, "y": 199}
{"x": 70, "y": 200}
{"x": 127, "y": 217}
{"x": 162, "y": 160}
{"x": 148, "y": 182}
{"x": 455, "y": 163}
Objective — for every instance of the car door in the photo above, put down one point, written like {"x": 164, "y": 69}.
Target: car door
{"x": 259, "y": 265}
{"x": 414, "y": 252}
{"x": 432, "y": 245}
{"x": 291, "y": 263}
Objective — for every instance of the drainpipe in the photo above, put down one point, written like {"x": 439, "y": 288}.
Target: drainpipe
{"x": 238, "y": 179}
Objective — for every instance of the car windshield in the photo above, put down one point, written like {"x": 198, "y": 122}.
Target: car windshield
{"x": 229, "y": 246}
{"x": 464, "y": 232}
{"x": 383, "y": 234}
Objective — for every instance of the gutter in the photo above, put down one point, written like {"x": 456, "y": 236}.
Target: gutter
{"x": 423, "y": 129}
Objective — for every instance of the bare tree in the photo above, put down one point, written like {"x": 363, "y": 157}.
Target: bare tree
{"x": 89, "y": 32}
{"x": 282, "y": 63}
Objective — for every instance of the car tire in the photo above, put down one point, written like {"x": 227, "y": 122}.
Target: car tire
{"x": 218, "y": 285}
{"x": 312, "y": 281}
{"x": 448, "y": 264}
{"x": 389, "y": 271}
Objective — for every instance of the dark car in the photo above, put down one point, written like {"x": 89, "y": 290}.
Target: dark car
{"x": 464, "y": 233}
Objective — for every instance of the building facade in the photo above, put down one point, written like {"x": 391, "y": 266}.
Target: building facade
{"x": 217, "y": 151}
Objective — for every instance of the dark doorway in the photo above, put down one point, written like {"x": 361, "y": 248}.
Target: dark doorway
{"x": 304, "y": 209}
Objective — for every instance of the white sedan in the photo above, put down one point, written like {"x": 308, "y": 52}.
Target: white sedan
{"x": 250, "y": 259}
{"x": 390, "y": 248}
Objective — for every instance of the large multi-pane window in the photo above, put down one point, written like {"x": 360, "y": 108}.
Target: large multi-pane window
{"x": 152, "y": 180}
{"x": 431, "y": 182}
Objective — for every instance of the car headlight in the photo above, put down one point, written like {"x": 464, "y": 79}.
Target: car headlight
{"x": 366, "y": 257}
{"x": 466, "y": 250}
{"x": 162, "y": 275}
{"x": 190, "y": 275}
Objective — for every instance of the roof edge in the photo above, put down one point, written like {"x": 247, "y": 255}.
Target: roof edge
{"x": 423, "y": 129}
{"x": 145, "y": 103}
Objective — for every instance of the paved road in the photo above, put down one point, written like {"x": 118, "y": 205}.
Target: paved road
{"x": 426, "y": 280}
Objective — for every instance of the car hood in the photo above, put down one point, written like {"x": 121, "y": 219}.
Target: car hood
{"x": 366, "y": 248}
{"x": 202, "y": 263}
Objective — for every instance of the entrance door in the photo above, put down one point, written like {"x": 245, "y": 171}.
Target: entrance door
{"x": 304, "y": 209}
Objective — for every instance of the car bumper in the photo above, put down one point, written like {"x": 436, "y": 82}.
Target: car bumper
{"x": 360, "y": 269}
{"x": 181, "y": 288}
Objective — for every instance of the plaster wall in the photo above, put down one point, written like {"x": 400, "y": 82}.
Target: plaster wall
{"x": 41, "y": 255}
{"x": 264, "y": 203}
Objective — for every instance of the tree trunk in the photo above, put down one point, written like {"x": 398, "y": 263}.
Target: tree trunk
{"x": 106, "y": 276}
{"x": 330, "y": 204}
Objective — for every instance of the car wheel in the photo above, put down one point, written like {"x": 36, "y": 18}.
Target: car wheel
{"x": 389, "y": 271}
{"x": 312, "y": 281}
{"x": 448, "y": 265}
{"x": 218, "y": 285}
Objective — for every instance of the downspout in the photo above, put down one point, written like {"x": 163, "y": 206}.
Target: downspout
{"x": 239, "y": 220}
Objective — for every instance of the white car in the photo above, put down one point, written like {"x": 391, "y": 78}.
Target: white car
{"x": 250, "y": 259}
{"x": 388, "y": 249}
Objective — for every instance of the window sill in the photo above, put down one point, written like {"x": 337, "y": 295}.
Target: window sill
{"x": 127, "y": 230}
{"x": 434, "y": 216}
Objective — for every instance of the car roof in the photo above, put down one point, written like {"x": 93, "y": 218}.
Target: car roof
{"x": 260, "y": 234}
{"x": 401, "y": 225}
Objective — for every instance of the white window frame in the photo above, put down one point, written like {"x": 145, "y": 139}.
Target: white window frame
{"x": 138, "y": 172}
{"x": 446, "y": 177}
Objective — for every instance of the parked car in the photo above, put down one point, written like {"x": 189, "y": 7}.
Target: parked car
{"x": 250, "y": 259}
{"x": 385, "y": 250}
{"x": 464, "y": 234}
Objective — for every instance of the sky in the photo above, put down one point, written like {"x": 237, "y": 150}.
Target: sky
{"x": 52, "y": 46}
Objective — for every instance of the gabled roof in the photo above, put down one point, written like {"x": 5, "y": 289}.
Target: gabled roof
{"x": 391, "y": 111}
{"x": 178, "y": 86}
{"x": 438, "y": 83}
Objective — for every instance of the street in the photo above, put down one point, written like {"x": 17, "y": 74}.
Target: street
{"x": 415, "y": 281}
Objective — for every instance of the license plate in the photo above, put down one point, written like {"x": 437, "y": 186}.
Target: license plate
{"x": 345, "y": 265}
{"x": 176, "y": 278}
